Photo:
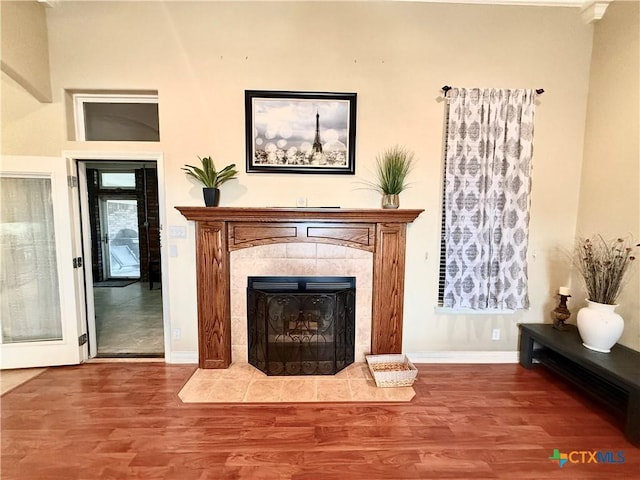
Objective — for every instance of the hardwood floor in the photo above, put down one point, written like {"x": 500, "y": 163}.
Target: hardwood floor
{"x": 125, "y": 421}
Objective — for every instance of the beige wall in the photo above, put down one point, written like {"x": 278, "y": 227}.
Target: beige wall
{"x": 395, "y": 55}
{"x": 25, "y": 49}
{"x": 610, "y": 189}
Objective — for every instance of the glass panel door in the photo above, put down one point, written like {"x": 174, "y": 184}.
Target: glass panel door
{"x": 28, "y": 279}
{"x": 38, "y": 316}
{"x": 121, "y": 240}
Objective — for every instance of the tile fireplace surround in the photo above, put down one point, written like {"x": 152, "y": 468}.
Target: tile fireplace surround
{"x": 221, "y": 230}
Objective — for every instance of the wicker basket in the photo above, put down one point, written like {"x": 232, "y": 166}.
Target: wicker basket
{"x": 392, "y": 370}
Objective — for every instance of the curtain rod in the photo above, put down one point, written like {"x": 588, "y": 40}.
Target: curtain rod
{"x": 446, "y": 88}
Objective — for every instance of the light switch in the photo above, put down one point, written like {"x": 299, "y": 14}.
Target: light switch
{"x": 176, "y": 231}
{"x": 173, "y": 250}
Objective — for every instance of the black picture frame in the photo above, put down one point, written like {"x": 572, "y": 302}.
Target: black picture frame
{"x": 300, "y": 132}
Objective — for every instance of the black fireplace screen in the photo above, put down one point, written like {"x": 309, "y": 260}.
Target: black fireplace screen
{"x": 301, "y": 325}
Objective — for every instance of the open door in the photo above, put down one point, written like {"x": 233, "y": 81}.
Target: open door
{"x": 40, "y": 276}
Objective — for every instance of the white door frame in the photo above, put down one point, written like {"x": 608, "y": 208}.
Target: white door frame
{"x": 76, "y": 156}
{"x": 67, "y": 350}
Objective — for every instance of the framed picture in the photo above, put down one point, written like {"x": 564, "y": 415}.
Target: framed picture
{"x": 300, "y": 132}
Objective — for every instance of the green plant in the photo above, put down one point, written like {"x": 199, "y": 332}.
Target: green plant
{"x": 392, "y": 169}
{"x": 603, "y": 265}
{"x": 208, "y": 175}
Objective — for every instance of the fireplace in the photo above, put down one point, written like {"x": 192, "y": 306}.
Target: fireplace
{"x": 222, "y": 230}
{"x": 301, "y": 325}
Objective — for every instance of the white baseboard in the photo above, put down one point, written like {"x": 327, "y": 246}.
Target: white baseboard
{"x": 182, "y": 357}
{"x": 418, "y": 357}
{"x": 464, "y": 357}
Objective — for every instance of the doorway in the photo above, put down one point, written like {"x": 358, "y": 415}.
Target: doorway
{"x": 120, "y": 242}
{"x": 124, "y": 287}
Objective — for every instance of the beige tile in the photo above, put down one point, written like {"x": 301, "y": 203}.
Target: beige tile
{"x": 277, "y": 250}
{"x": 359, "y": 254}
{"x": 238, "y": 302}
{"x": 10, "y": 379}
{"x": 363, "y": 390}
{"x": 267, "y": 390}
{"x": 364, "y": 294}
{"x": 333, "y": 266}
{"x": 294, "y": 266}
{"x": 242, "y": 382}
{"x": 195, "y": 390}
{"x": 333, "y": 390}
{"x": 299, "y": 390}
{"x": 239, "y": 330}
{"x": 362, "y": 269}
{"x": 243, "y": 253}
{"x": 326, "y": 250}
{"x": 228, "y": 391}
{"x": 301, "y": 250}
{"x": 342, "y": 374}
{"x": 359, "y": 371}
{"x": 239, "y": 353}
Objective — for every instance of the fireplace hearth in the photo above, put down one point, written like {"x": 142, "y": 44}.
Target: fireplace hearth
{"x": 301, "y": 325}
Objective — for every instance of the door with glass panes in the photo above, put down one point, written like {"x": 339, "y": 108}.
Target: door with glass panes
{"x": 39, "y": 275}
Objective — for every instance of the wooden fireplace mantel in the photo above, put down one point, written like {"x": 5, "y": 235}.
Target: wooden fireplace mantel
{"x": 220, "y": 230}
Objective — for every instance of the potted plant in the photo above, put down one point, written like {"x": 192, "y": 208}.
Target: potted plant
{"x": 211, "y": 178}
{"x": 393, "y": 166}
{"x": 603, "y": 266}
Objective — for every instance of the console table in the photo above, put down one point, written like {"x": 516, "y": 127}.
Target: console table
{"x": 613, "y": 378}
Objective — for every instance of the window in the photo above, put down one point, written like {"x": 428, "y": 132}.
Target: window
{"x": 116, "y": 117}
{"x": 125, "y": 180}
{"x": 486, "y": 199}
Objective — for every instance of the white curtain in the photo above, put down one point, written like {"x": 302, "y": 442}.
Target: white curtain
{"x": 29, "y": 290}
{"x": 487, "y": 198}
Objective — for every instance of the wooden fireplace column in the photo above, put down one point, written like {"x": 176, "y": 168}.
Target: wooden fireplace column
{"x": 220, "y": 230}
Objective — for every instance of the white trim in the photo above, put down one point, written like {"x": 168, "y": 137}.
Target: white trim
{"x": 526, "y": 3}
{"x": 182, "y": 357}
{"x": 90, "y": 311}
{"x": 79, "y": 99}
{"x": 464, "y": 357}
{"x": 594, "y": 11}
{"x": 418, "y": 357}
{"x": 158, "y": 157}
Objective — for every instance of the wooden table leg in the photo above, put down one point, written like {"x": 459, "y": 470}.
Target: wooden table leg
{"x": 632, "y": 420}
{"x": 526, "y": 349}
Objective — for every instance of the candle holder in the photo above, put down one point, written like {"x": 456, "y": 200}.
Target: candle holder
{"x": 561, "y": 313}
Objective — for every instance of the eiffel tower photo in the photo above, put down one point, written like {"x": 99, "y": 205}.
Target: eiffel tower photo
{"x": 317, "y": 156}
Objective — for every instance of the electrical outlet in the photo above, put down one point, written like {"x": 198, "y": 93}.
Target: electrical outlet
{"x": 176, "y": 333}
{"x": 301, "y": 202}
{"x": 495, "y": 334}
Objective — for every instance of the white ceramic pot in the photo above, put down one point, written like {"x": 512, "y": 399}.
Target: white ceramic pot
{"x": 599, "y": 326}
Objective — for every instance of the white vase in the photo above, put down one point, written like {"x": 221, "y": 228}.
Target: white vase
{"x": 599, "y": 326}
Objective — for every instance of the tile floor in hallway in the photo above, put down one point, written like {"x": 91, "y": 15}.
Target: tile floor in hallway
{"x": 129, "y": 320}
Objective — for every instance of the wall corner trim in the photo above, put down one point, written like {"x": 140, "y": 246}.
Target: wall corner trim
{"x": 592, "y": 11}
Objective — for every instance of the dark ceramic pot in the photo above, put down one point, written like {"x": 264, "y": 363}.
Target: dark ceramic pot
{"x": 211, "y": 196}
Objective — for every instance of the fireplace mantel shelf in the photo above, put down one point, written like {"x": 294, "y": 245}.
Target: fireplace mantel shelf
{"x": 285, "y": 214}
{"x": 220, "y": 230}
